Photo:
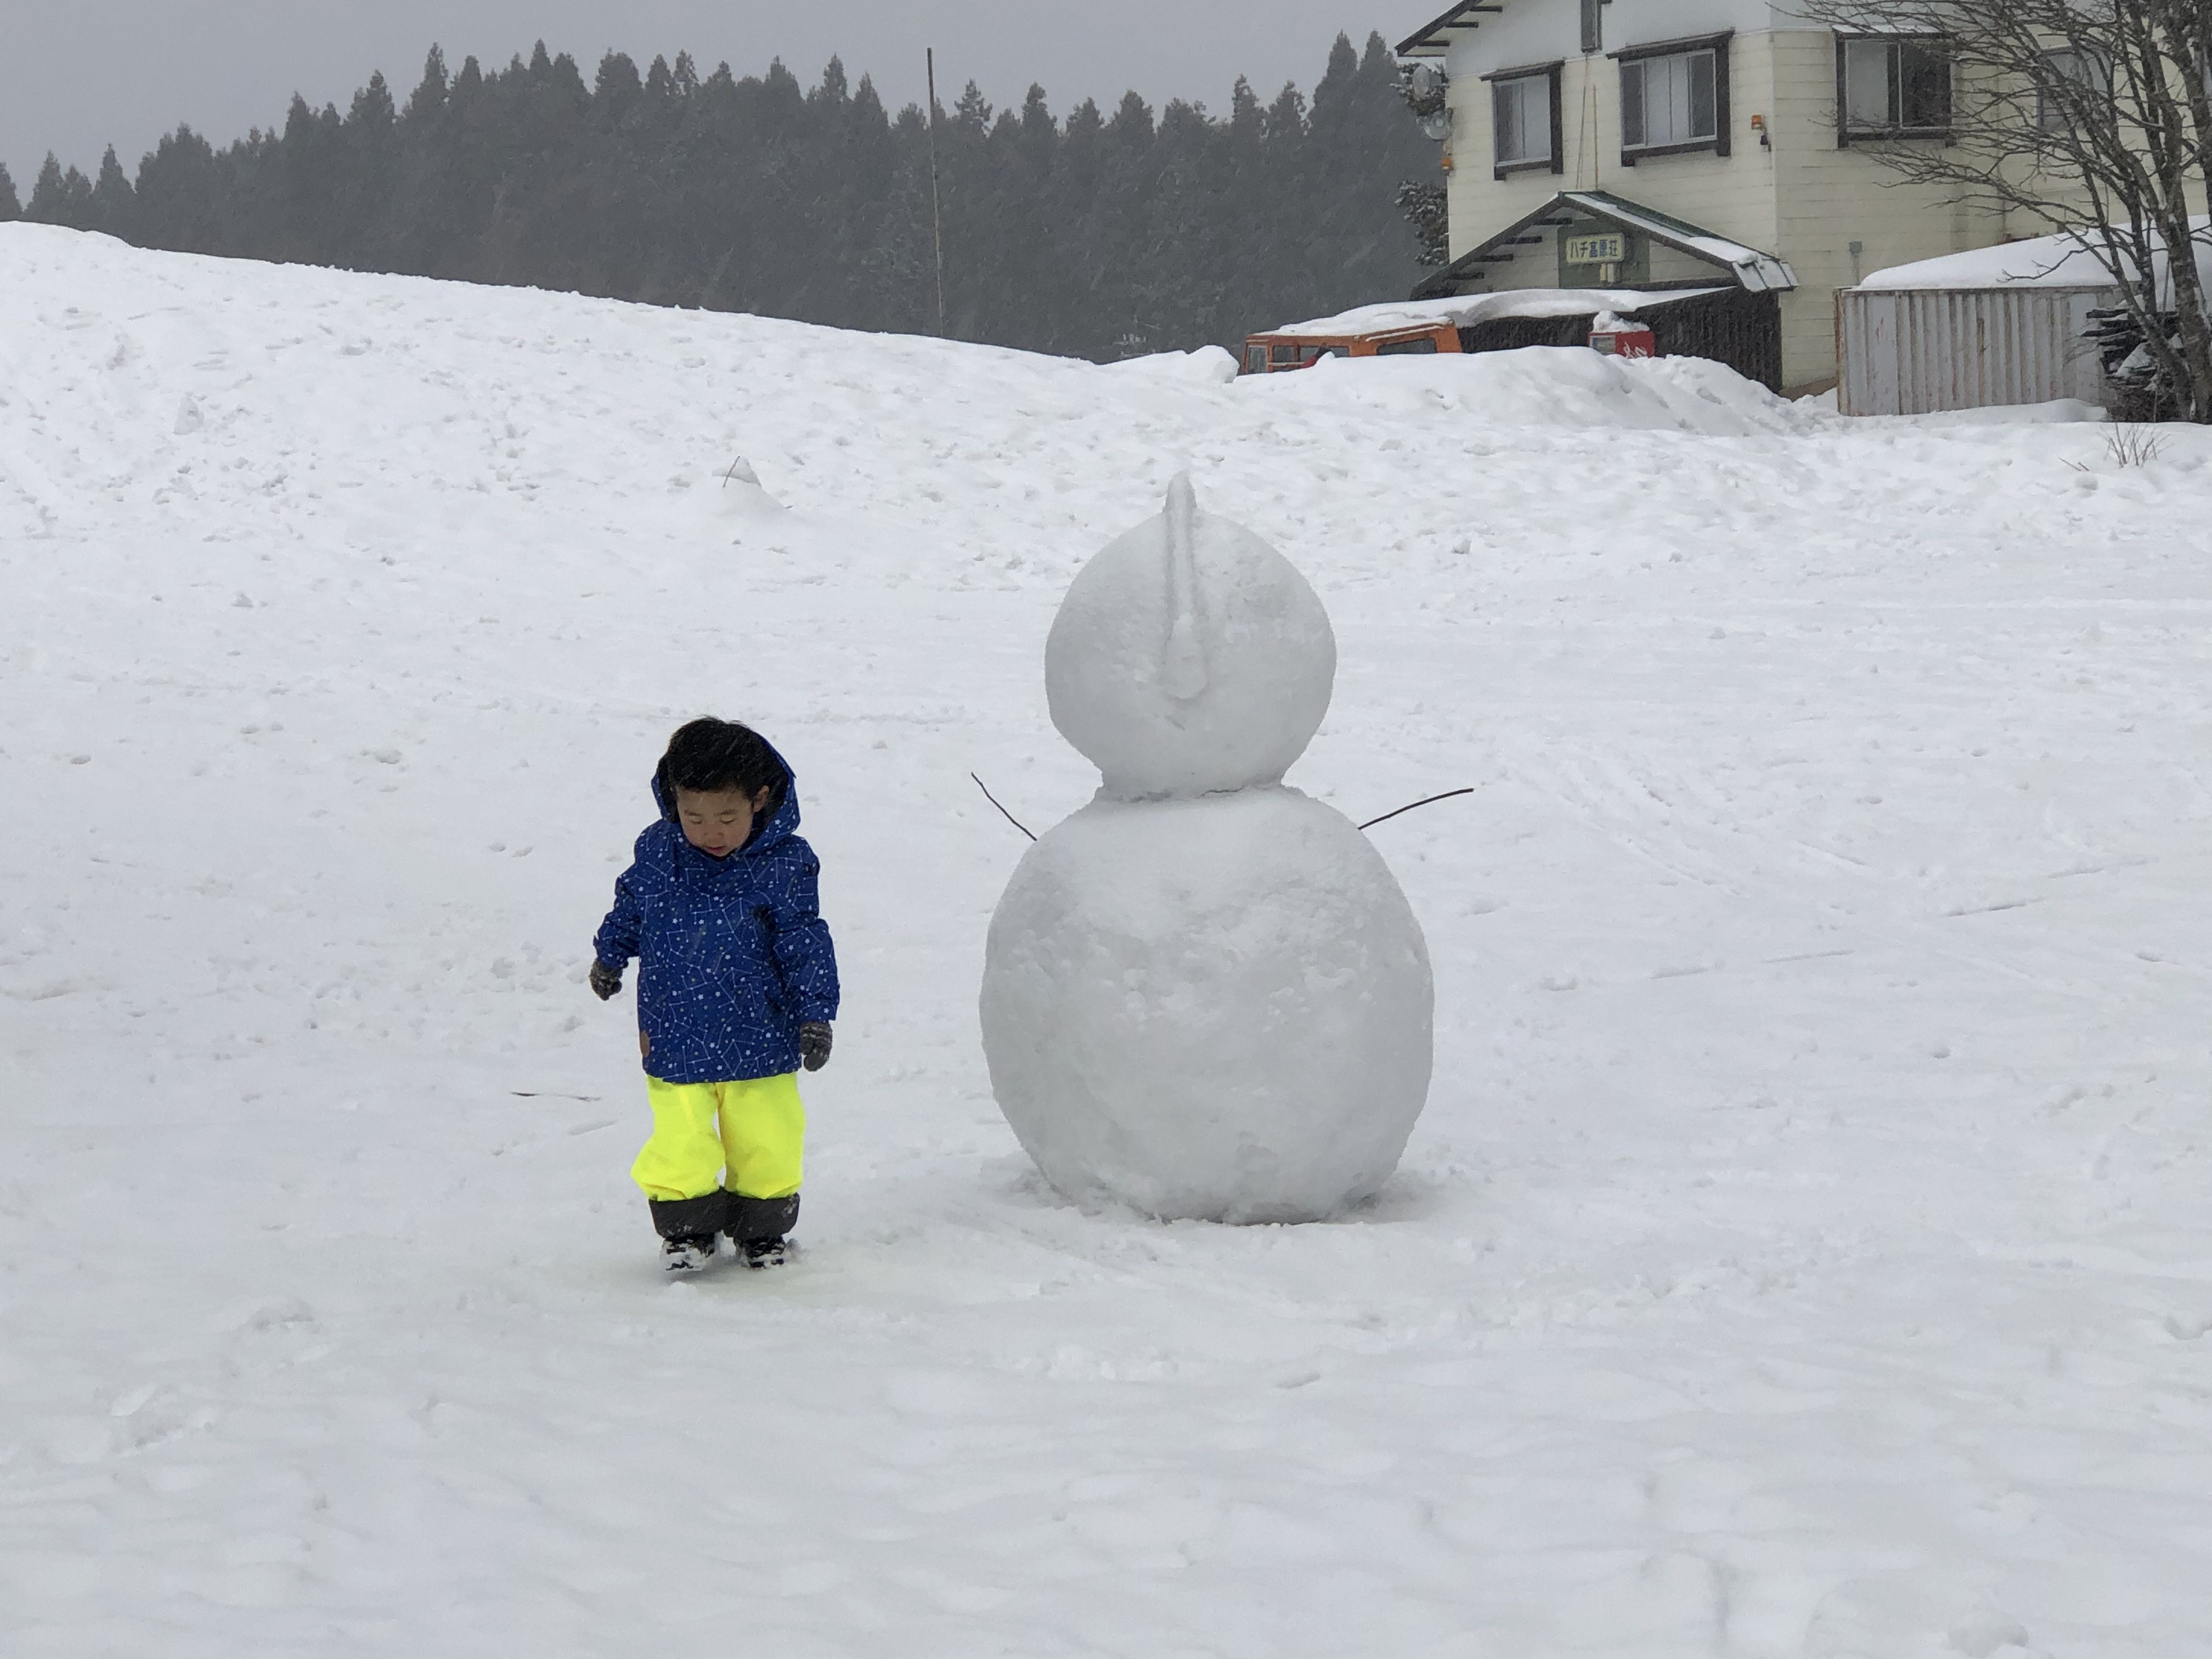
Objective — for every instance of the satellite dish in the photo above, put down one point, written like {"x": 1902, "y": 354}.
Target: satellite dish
{"x": 1425, "y": 92}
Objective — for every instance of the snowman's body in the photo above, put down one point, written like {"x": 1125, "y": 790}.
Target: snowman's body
{"x": 1204, "y": 993}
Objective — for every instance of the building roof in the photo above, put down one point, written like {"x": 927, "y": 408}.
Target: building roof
{"x": 2066, "y": 260}
{"x": 1465, "y": 311}
{"x": 1753, "y": 269}
{"x": 1434, "y": 38}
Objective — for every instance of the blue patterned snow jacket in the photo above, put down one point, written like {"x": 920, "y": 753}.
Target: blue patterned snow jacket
{"x": 733, "y": 956}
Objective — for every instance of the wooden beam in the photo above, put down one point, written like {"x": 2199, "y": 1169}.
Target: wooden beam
{"x": 1424, "y": 42}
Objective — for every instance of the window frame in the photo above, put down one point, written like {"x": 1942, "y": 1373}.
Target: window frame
{"x": 2048, "y": 117}
{"x": 1847, "y": 135}
{"x": 1549, "y": 74}
{"x": 1722, "y": 143}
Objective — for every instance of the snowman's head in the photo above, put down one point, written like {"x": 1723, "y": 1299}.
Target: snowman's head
{"x": 1190, "y": 657}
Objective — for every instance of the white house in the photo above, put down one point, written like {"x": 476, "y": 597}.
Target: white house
{"x": 1658, "y": 142}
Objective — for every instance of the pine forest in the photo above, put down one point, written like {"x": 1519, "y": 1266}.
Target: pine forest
{"x": 1099, "y": 233}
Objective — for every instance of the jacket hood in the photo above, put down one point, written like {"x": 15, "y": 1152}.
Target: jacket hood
{"x": 781, "y": 822}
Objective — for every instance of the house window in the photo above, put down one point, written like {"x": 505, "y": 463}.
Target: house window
{"x": 1521, "y": 112}
{"x": 1893, "y": 86}
{"x": 1593, "y": 26}
{"x": 1524, "y": 119}
{"x": 2081, "y": 66}
{"x": 1674, "y": 97}
{"x": 1669, "y": 101}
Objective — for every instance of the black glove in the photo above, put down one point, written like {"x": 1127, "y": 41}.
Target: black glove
{"x": 605, "y": 980}
{"x": 814, "y": 1044}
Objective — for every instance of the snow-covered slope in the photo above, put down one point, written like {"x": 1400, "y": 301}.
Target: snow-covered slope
{"x": 1805, "y": 1251}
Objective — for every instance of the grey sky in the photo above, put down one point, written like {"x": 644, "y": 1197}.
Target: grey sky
{"x": 76, "y": 75}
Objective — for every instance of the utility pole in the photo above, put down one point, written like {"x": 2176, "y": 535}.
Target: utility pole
{"x": 936, "y": 207}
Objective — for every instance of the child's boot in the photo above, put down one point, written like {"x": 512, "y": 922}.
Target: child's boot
{"x": 757, "y": 1227}
{"x": 687, "y": 1227}
{"x": 687, "y": 1255}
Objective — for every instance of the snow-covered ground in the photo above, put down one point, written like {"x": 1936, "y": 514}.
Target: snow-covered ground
{"x": 1805, "y": 1251}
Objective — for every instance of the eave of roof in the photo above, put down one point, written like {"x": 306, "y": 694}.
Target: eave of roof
{"x": 1433, "y": 38}
{"x": 1757, "y": 272}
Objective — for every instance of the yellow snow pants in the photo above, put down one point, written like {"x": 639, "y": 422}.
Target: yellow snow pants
{"x": 746, "y": 1136}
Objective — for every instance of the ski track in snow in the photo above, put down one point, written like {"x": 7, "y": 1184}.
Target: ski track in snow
{"x": 1805, "y": 1250}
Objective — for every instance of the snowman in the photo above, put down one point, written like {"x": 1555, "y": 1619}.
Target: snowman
{"x": 1204, "y": 995}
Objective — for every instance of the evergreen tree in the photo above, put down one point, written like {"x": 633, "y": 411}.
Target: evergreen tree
{"x": 113, "y": 201}
{"x": 11, "y": 206}
{"x": 179, "y": 196}
{"x": 366, "y": 180}
{"x": 61, "y": 196}
{"x": 429, "y": 97}
{"x": 46, "y": 191}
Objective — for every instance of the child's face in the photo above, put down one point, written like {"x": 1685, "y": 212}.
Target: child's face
{"x": 718, "y": 821}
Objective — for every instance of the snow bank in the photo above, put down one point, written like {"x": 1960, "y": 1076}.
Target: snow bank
{"x": 1210, "y": 364}
{"x": 2056, "y": 412}
{"x": 1562, "y": 388}
{"x": 1804, "y": 1249}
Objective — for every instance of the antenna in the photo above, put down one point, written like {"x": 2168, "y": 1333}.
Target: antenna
{"x": 936, "y": 210}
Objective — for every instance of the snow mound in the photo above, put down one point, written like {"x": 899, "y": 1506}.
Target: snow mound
{"x": 1209, "y": 365}
{"x": 2059, "y": 412}
{"x": 1562, "y": 388}
{"x": 738, "y": 494}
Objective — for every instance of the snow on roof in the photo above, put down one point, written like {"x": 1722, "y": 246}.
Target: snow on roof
{"x": 1757, "y": 272}
{"x": 2066, "y": 260}
{"x": 1465, "y": 311}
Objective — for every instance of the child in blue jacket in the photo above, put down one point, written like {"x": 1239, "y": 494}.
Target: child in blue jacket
{"x": 737, "y": 986}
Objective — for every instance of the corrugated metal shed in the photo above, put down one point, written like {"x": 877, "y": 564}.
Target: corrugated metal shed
{"x": 1913, "y": 351}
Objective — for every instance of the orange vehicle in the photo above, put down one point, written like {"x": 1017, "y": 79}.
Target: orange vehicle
{"x": 1410, "y": 328}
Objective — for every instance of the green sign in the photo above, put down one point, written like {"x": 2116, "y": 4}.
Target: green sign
{"x": 1597, "y": 247}
{"x": 1596, "y": 254}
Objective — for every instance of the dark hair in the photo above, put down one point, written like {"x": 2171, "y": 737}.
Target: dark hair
{"x": 709, "y": 755}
